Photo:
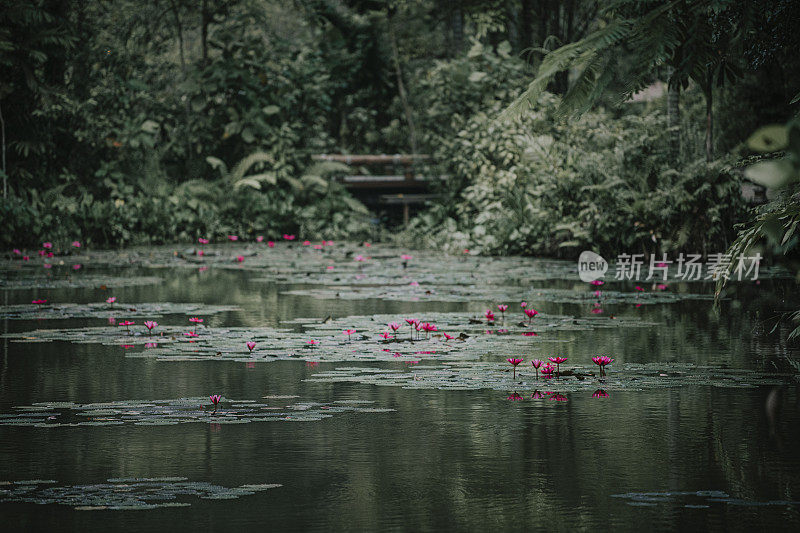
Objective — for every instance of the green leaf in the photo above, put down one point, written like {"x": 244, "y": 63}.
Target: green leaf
{"x": 150, "y": 126}
{"x": 477, "y": 76}
{"x": 771, "y": 174}
{"x": 247, "y": 135}
{"x": 769, "y": 138}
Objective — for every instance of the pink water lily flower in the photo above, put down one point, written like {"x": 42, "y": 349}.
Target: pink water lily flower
{"x": 127, "y": 324}
{"x": 196, "y": 320}
{"x": 348, "y": 332}
{"x": 536, "y": 364}
{"x": 76, "y": 244}
{"x": 367, "y": 244}
{"x": 306, "y": 243}
{"x": 599, "y": 393}
{"x": 530, "y": 313}
{"x": 288, "y": 237}
{"x": 414, "y": 284}
{"x": 502, "y": 307}
{"x": 77, "y": 266}
{"x": 200, "y": 252}
{"x": 448, "y": 337}
{"x": 111, "y": 300}
{"x": 661, "y": 287}
{"x": 202, "y": 240}
{"x": 16, "y": 251}
{"x": 191, "y": 334}
{"x": 489, "y": 315}
{"x": 49, "y": 254}
{"x": 259, "y": 238}
{"x": 151, "y": 345}
{"x": 240, "y": 258}
{"x": 638, "y": 288}
{"x": 514, "y": 362}
{"x": 233, "y": 238}
{"x": 358, "y": 258}
{"x": 386, "y": 335}
{"x": 215, "y": 398}
{"x": 523, "y": 305}
{"x": 558, "y": 360}
{"x": 317, "y": 247}
{"x": 597, "y": 282}
{"x": 250, "y": 345}
{"x": 42, "y": 252}
{"x": 529, "y": 334}
{"x": 25, "y": 258}
{"x": 394, "y": 326}
{"x": 271, "y": 244}
{"x": 558, "y": 397}
{"x": 406, "y": 257}
{"x": 47, "y": 245}
{"x": 150, "y": 324}
{"x": 597, "y": 310}
{"x": 537, "y": 395}
{"x": 47, "y": 265}
{"x": 327, "y": 243}
{"x": 38, "y": 302}
{"x": 602, "y": 361}
{"x": 547, "y": 370}
{"x": 597, "y": 294}
{"x": 312, "y": 341}
{"x": 329, "y": 267}
{"x": 515, "y": 397}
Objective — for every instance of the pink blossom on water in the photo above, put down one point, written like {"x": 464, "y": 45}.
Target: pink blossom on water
{"x": 233, "y": 238}
{"x": 47, "y": 245}
{"x": 150, "y": 324}
{"x": 76, "y": 244}
{"x": 250, "y": 345}
{"x": 288, "y": 237}
{"x": 201, "y": 240}
{"x": 16, "y": 251}
{"x": 597, "y": 282}
{"x": 111, "y": 300}
{"x": 306, "y": 243}
{"x": 77, "y": 266}
{"x": 259, "y": 238}
{"x": 271, "y": 244}
{"x": 38, "y": 302}
{"x": 240, "y": 258}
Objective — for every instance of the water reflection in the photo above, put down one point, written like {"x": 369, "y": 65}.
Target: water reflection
{"x": 445, "y": 459}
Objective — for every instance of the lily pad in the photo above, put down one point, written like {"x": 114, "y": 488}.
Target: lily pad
{"x": 77, "y": 282}
{"x": 124, "y": 494}
{"x": 472, "y": 339}
{"x": 105, "y": 310}
{"x": 176, "y": 411}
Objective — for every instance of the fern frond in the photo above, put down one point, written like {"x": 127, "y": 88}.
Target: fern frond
{"x": 243, "y": 166}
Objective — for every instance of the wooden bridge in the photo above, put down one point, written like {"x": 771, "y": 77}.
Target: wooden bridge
{"x": 397, "y": 183}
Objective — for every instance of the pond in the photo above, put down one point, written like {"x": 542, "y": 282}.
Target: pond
{"x": 102, "y": 426}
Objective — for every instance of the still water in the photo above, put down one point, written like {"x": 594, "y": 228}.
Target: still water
{"x": 693, "y": 457}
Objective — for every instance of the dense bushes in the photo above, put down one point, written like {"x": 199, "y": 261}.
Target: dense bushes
{"x": 182, "y": 213}
{"x": 538, "y": 185}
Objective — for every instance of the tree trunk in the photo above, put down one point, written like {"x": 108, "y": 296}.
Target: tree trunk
{"x": 3, "y": 141}
{"x": 457, "y": 27}
{"x": 526, "y": 26}
{"x": 674, "y": 119}
{"x": 205, "y": 21}
{"x": 709, "y": 120}
{"x": 401, "y": 90}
